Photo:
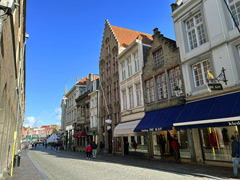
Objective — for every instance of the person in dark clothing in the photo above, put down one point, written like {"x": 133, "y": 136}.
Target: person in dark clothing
{"x": 235, "y": 156}
{"x": 101, "y": 147}
{"x": 175, "y": 147}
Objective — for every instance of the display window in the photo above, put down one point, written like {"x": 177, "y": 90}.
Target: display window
{"x": 118, "y": 144}
{"x": 138, "y": 144}
{"x": 162, "y": 143}
{"x": 216, "y": 142}
{"x": 183, "y": 143}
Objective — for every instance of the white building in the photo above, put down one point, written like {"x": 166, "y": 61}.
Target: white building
{"x": 94, "y": 109}
{"x": 131, "y": 61}
{"x": 209, "y": 40}
{"x": 71, "y": 112}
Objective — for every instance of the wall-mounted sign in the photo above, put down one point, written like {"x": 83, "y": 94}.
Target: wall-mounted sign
{"x": 215, "y": 86}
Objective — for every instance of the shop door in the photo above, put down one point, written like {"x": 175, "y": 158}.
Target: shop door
{"x": 110, "y": 141}
{"x": 126, "y": 145}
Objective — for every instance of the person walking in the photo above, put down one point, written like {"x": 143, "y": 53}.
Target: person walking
{"x": 235, "y": 156}
{"x": 101, "y": 147}
{"x": 175, "y": 147}
{"x": 88, "y": 151}
{"x": 94, "y": 149}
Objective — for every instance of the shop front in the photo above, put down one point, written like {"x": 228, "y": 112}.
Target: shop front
{"x": 158, "y": 125}
{"x": 80, "y": 141}
{"x": 214, "y": 120}
{"x": 129, "y": 142}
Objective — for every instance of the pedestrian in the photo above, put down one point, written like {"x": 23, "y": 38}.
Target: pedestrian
{"x": 135, "y": 145}
{"x": 35, "y": 145}
{"x": 101, "y": 147}
{"x": 94, "y": 149}
{"x": 175, "y": 147}
{"x": 88, "y": 151}
{"x": 235, "y": 156}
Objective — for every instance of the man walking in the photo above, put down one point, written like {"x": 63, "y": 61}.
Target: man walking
{"x": 235, "y": 156}
{"x": 94, "y": 149}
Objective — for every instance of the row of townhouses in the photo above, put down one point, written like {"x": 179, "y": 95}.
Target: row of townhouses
{"x": 151, "y": 88}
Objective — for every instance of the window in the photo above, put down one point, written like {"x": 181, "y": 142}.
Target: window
{"x": 115, "y": 63}
{"x": 150, "y": 91}
{"x": 162, "y": 87}
{"x": 129, "y": 66}
{"x": 116, "y": 90}
{"x": 175, "y": 79}
{"x": 124, "y": 100}
{"x": 109, "y": 69}
{"x": 200, "y": 72}
{"x": 136, "y": 62}
{"x": 82, "y": 111}
{"x": 102, "y": 74}
{"x": 131, "y": 104}
{"x": 158, "y": 58}
{"x": 234, "y": 6}
{"x": 123, "y": 71}
{"x": 109, "y": 94}
{"x": 195, "y": 31}
{"x": 138, "y": 94}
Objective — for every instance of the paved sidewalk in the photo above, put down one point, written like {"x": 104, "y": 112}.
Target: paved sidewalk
{"x": 27, "y": 170}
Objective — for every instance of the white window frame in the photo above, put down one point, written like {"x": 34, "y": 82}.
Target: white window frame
{"x": 158, "y": 58}
{"x": 124, "y": 100}
{"x": 130, "y": 95}
{"x": 123, "y": 71}
{"x": 150, "y": 90}
{"x": 136, "y": 62}
{"x": 174, "y": 78}
{"x": 202, "y": 72}
{"x": 232, "y": 4}
{"x": 138, "y": 94}
{"x": 129, "y": 66}
{"x": 193, "y": 27}
{"x": 162, "y": 88}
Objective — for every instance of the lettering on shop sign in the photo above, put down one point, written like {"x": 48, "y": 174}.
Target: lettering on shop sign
{"x": 158, "y": 129}
{"x": 144, "y": 130}
{"x": 236, "y": 123}
{"x": 215, "y": 86}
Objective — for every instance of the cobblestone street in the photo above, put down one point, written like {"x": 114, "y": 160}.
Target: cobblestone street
{"x": 71, "y": 165}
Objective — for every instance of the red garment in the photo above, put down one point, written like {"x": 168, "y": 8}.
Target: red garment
{"x": 88, "y": 148}
{"x": 175, "y": 144}
{"x": 213, "y": 139}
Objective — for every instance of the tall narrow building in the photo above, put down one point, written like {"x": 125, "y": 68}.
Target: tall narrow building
{"x": 115, "y": 40}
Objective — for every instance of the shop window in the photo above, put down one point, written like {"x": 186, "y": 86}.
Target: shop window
{"x": 216, "y": 142}
{"x": 118, "y": 144}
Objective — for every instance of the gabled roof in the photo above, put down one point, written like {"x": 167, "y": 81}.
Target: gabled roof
{"x": 126, "y": 36}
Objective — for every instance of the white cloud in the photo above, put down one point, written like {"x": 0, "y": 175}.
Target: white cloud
{"x": 57, "y": 113}
{"x": 31, "y": 121}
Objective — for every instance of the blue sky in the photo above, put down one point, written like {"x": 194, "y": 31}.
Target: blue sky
{"x": 65, "y": 41}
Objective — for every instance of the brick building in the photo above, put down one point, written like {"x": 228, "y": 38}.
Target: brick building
{"x": 161, "y": 77}
{"x": 12, "y": 80}
{"x": 115, "y": 40}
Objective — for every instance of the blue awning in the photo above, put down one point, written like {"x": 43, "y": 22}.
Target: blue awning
{"x": 159, "y": 120}
{"x": 213, "y": 112}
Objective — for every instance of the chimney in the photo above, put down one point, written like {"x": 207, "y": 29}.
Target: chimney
{"x": 77, "y": 79}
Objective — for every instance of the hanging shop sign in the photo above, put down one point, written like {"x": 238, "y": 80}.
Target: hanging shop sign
{"x": 215, "y": 86}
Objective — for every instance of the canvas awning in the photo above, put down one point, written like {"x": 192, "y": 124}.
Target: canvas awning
{"x": 126, "y": 129}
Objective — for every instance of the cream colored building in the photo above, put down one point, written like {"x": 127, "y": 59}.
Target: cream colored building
{"x": 131, "y": 61}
